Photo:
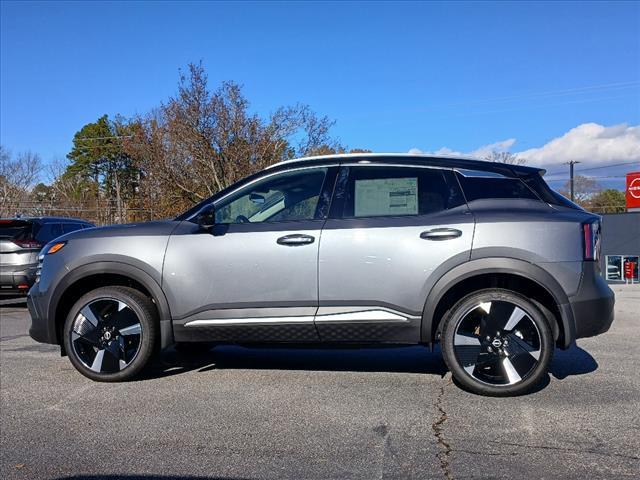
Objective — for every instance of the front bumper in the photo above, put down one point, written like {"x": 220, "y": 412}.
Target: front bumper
{"x": 593, "y": 305}
{"x": 41, "y": 329}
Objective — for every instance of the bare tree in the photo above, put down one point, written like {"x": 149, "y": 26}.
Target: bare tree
{"x": 583, "y": 189}
{"x": 505, "y": 157}
{"x": 200, "y": 142}
{"x": 17, "y": 176}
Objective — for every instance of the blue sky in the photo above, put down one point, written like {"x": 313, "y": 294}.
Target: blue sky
{"x": 394, "y": 76}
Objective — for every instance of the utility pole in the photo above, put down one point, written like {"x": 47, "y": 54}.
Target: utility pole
{"x": 571, "y": 164}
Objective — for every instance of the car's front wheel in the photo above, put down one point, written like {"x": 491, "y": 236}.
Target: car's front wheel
{"x": 110, "y": 333}
{"x": 497, "y": 342}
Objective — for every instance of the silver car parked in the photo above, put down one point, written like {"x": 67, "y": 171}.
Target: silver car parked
{"x": 20, "y": 242}
{"x": 350, "y": 249}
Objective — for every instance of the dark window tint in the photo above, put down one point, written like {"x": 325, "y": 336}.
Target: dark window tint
{"x": 71, "y": 227}
{"x": 393, "y": 191}
{"x": 538, "y": 185}
{"x": 48, "y": 232}
{"x": 476, "y": 188}
{"x": 15, "y": 229}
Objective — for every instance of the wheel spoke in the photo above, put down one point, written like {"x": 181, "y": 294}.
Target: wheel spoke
{"x": 464, "y": 339}
{"x": 134, "y": 329}
{"x": 497, "y": 318}
{"x": 510, "y": 371}
{"x": 88, "y": 313}
{"x": 96, "y": 366}
{"x": 521, "y": 346}
{"x": 123, "y": 318}
{"x": 517, "y": 315}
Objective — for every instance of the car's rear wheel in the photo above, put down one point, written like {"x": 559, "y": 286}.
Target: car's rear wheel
{"x": 497, "y": 342}
{"x": 110, "y": 333}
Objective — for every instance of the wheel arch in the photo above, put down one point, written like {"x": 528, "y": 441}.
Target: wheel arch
{"x": 93, "y": 275}
{"x": 518, "y": 275}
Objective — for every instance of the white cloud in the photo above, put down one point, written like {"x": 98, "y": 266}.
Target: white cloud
{"x": 480, "y": 152}
{"x": 589, "y": 143}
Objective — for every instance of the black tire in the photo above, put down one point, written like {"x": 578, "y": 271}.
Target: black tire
{"x": 489, "y": 351}
{"x": 83, "y": 340}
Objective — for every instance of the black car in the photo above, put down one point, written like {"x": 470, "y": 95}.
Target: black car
{"x": 20, "y": 242}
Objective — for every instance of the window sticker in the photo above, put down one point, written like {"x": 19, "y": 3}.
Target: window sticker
{"x": 387, "y": 196}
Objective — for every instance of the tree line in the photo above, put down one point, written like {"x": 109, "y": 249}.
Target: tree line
{"x": 156, "y": 165}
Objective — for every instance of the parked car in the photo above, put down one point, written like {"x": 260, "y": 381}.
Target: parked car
{"x": 364, "y": 249}
{"x": 20, "y": 241}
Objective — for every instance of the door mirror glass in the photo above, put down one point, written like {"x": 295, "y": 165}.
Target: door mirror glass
{"x": 256, "y": 198}
{"x": 206, "y": 217}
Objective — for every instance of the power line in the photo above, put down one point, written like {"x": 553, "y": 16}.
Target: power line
{"x": 596, "y": 168}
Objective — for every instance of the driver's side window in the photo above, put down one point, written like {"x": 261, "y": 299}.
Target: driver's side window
{"x": 283, "y": 197}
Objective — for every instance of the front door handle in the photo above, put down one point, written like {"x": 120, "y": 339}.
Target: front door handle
{"x": 441, "y": 234}
{"x": 295, "y": 240}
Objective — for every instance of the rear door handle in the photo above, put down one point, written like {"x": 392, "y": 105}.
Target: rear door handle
{"x": 295, "y": 240}
{"x": 441, "y": 234}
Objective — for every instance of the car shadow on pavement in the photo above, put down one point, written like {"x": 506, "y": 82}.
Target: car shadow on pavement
{"x": 574, "y": 361}
{"x": 402, "y": 359}
{"x": 416, "y": 359}
{"x": 146, "y": 477}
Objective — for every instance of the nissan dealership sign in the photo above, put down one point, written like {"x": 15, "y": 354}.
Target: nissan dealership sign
{"x": 633, "y": 191}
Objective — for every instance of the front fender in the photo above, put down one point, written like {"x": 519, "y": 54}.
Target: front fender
{"x": 117, "y": 268}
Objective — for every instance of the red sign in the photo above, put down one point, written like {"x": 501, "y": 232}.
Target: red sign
{"x": 633, "y": 190}
{"x": 629, "y": 268}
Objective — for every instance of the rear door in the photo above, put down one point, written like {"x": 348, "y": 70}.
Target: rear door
{"x": 392, "y": 230}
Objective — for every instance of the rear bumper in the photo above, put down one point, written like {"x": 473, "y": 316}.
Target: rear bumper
{"x": 593, "y": 305}
{"x": 17, "y": 282}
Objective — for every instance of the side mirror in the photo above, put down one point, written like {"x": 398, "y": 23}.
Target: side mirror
{"x": 206, "y": 217}
{"x": 256, "y": 198}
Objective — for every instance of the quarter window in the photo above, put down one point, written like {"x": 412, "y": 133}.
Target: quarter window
{"x": 398, "y": 191}
{"x": 476, "y": 188}
{"x": 284, "y": 197}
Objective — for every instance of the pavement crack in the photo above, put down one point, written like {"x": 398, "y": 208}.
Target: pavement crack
{"x": 438, "y": 430}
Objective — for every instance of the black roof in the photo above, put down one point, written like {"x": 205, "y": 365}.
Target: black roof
{"x": 414, "y": 159}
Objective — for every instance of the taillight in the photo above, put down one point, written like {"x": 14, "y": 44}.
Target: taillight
{"x": 27, "y": 243}
{"x": 591, "y": 240}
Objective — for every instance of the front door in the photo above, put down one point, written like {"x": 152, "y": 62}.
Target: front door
{"x": 390, "y": 229}
{"x": 254, "y": 275}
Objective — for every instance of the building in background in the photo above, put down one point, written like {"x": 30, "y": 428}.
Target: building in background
{"x": 620, "y": 249}
{"x": 632, "y": 192}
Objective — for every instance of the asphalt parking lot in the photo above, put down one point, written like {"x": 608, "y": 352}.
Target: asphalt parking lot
{"x": 319, "y": 414}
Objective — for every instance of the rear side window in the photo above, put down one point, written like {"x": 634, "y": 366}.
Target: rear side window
{"x": 538, "y": 185}
{"x": 397, "y": 191}
{"x": 476, "y": 188}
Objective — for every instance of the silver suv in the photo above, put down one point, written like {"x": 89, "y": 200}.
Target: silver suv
{"x": 20, "y": 242}
{"x": 483, "y": 258}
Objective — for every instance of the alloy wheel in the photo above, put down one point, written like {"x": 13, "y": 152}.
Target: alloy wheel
{"x": 106, "y": 335}
{"x": 497, "y": 343}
